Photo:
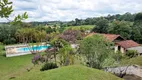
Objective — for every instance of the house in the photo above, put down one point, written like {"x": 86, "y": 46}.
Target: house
{"x": 110, "y": 37}
{"x": 126, "y": 45}
{"x": 121, "y": 44}
{"x": 113, "y": 37}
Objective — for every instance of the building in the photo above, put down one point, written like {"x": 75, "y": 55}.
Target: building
{"x": 110, "y": 37}
{"x": 126, "y": 45}
{"x": 121, "y": 44}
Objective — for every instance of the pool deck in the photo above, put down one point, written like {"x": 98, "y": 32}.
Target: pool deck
{"x": 11, "y": 50}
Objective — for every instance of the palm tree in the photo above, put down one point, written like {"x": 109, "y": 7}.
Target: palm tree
{"x": 66, "y": 56}
{"x": 28, "y": 35}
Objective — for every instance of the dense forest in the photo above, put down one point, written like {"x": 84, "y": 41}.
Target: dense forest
{"x": 127, "y": 25}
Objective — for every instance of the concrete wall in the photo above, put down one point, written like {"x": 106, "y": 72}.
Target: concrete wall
{"x": 17, "y": 54}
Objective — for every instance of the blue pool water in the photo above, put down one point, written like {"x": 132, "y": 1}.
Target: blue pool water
{"x": 34, "y": 48}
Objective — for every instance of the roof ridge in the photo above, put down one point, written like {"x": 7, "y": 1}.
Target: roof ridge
{"x": 106, "y": 33}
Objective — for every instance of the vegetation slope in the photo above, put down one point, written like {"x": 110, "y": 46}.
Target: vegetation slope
{"x": 133, "y": 61}
{"x": 15, "y": 68}
{"x": 69, "y": 73}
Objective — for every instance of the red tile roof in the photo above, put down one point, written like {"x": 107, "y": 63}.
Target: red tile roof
{"x": 110, "y": 37}
{"x": 127, "y": 44}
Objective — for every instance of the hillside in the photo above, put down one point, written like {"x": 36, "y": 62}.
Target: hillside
{"x": 14, "y": 68}
{"x": 69, "y": 73}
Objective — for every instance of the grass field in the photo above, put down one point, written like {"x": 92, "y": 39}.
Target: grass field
{"x": 90, "y": 26}
{"x": 86, "y": 27}
{"x": 69, "y": 73}
{"x": 15, "y": 68}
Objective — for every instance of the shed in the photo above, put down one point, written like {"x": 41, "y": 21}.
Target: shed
{"x": 123, "y": 46}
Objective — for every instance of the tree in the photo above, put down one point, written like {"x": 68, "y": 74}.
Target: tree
{"x": 50, "y": 30}
{"x": 77, "y": 22}
{"x": 96, "y": 50}
{"x": 138, "y": 17}
{"x": 7, "y": 34}
{"x": 66, "y": 56}
{"x": 71, "y": 23}
{"x": 71, "y": 35}
{"x": 63, "y": 49}
{"x": 51, "y": 36}
{"x": 6, "y": 9}
{"x": 137, "y": 28}
{"x": 56, "y": 44}
{"x": 25, "y": 35}
{"x": 29, "y": 36}
{"x": 127, "y": 17}
{"x": 101, "y": 26}
{"x": 122, "y": 28}
{"x": 62, "y": 27}
{"x": 89, "y": 21}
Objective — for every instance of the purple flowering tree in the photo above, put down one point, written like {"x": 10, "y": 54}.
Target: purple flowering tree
{"x": 71, "y": 35}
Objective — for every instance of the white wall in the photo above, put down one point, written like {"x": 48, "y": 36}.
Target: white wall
{"x": 116, "y": 48}
{"x": 122, "y": 50}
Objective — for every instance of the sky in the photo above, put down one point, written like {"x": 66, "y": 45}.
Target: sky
{"x": 66, "y": 10}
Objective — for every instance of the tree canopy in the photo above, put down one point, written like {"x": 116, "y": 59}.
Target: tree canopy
{"x": 96, "y": 51}
{"x": 6, "y": 10}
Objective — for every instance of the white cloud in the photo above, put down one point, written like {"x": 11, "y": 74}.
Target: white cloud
{"x": 48, "y": 10}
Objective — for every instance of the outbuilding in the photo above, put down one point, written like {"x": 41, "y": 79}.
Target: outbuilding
{"x": 125, "y": 45}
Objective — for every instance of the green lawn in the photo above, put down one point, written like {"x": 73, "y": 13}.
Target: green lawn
{"x": 135, "y": 60}
{"x": 15, "y": 68}
{"x": 69, "y": 73}
{"x": 84, "y": 26}
{"x": 88, "y": 27}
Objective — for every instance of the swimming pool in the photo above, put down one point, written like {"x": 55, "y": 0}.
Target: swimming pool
{"x": 33, "y": 48}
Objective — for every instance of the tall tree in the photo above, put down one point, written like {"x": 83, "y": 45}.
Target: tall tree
{"x": 101, "y": 26}
{"x": 137, "y": 28}
{"x": 29, "y": 36}
{"x": 71, "y": 35}
{"x": 7, "y": 34}
{"x": 66, "y": 56}
{"x": 96, "y": 50}
{"x": 122, "y": 28}
{"x": 77, "y": 22}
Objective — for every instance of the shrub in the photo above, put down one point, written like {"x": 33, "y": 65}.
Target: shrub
{"x": 96, "y": 51}
{"x": 49, "y": 66}
{"x": 9, "y": 41}
{"x": 131, "y": 53}
{"x": 1, "y": 43}
{"x": 36, "y": 59}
